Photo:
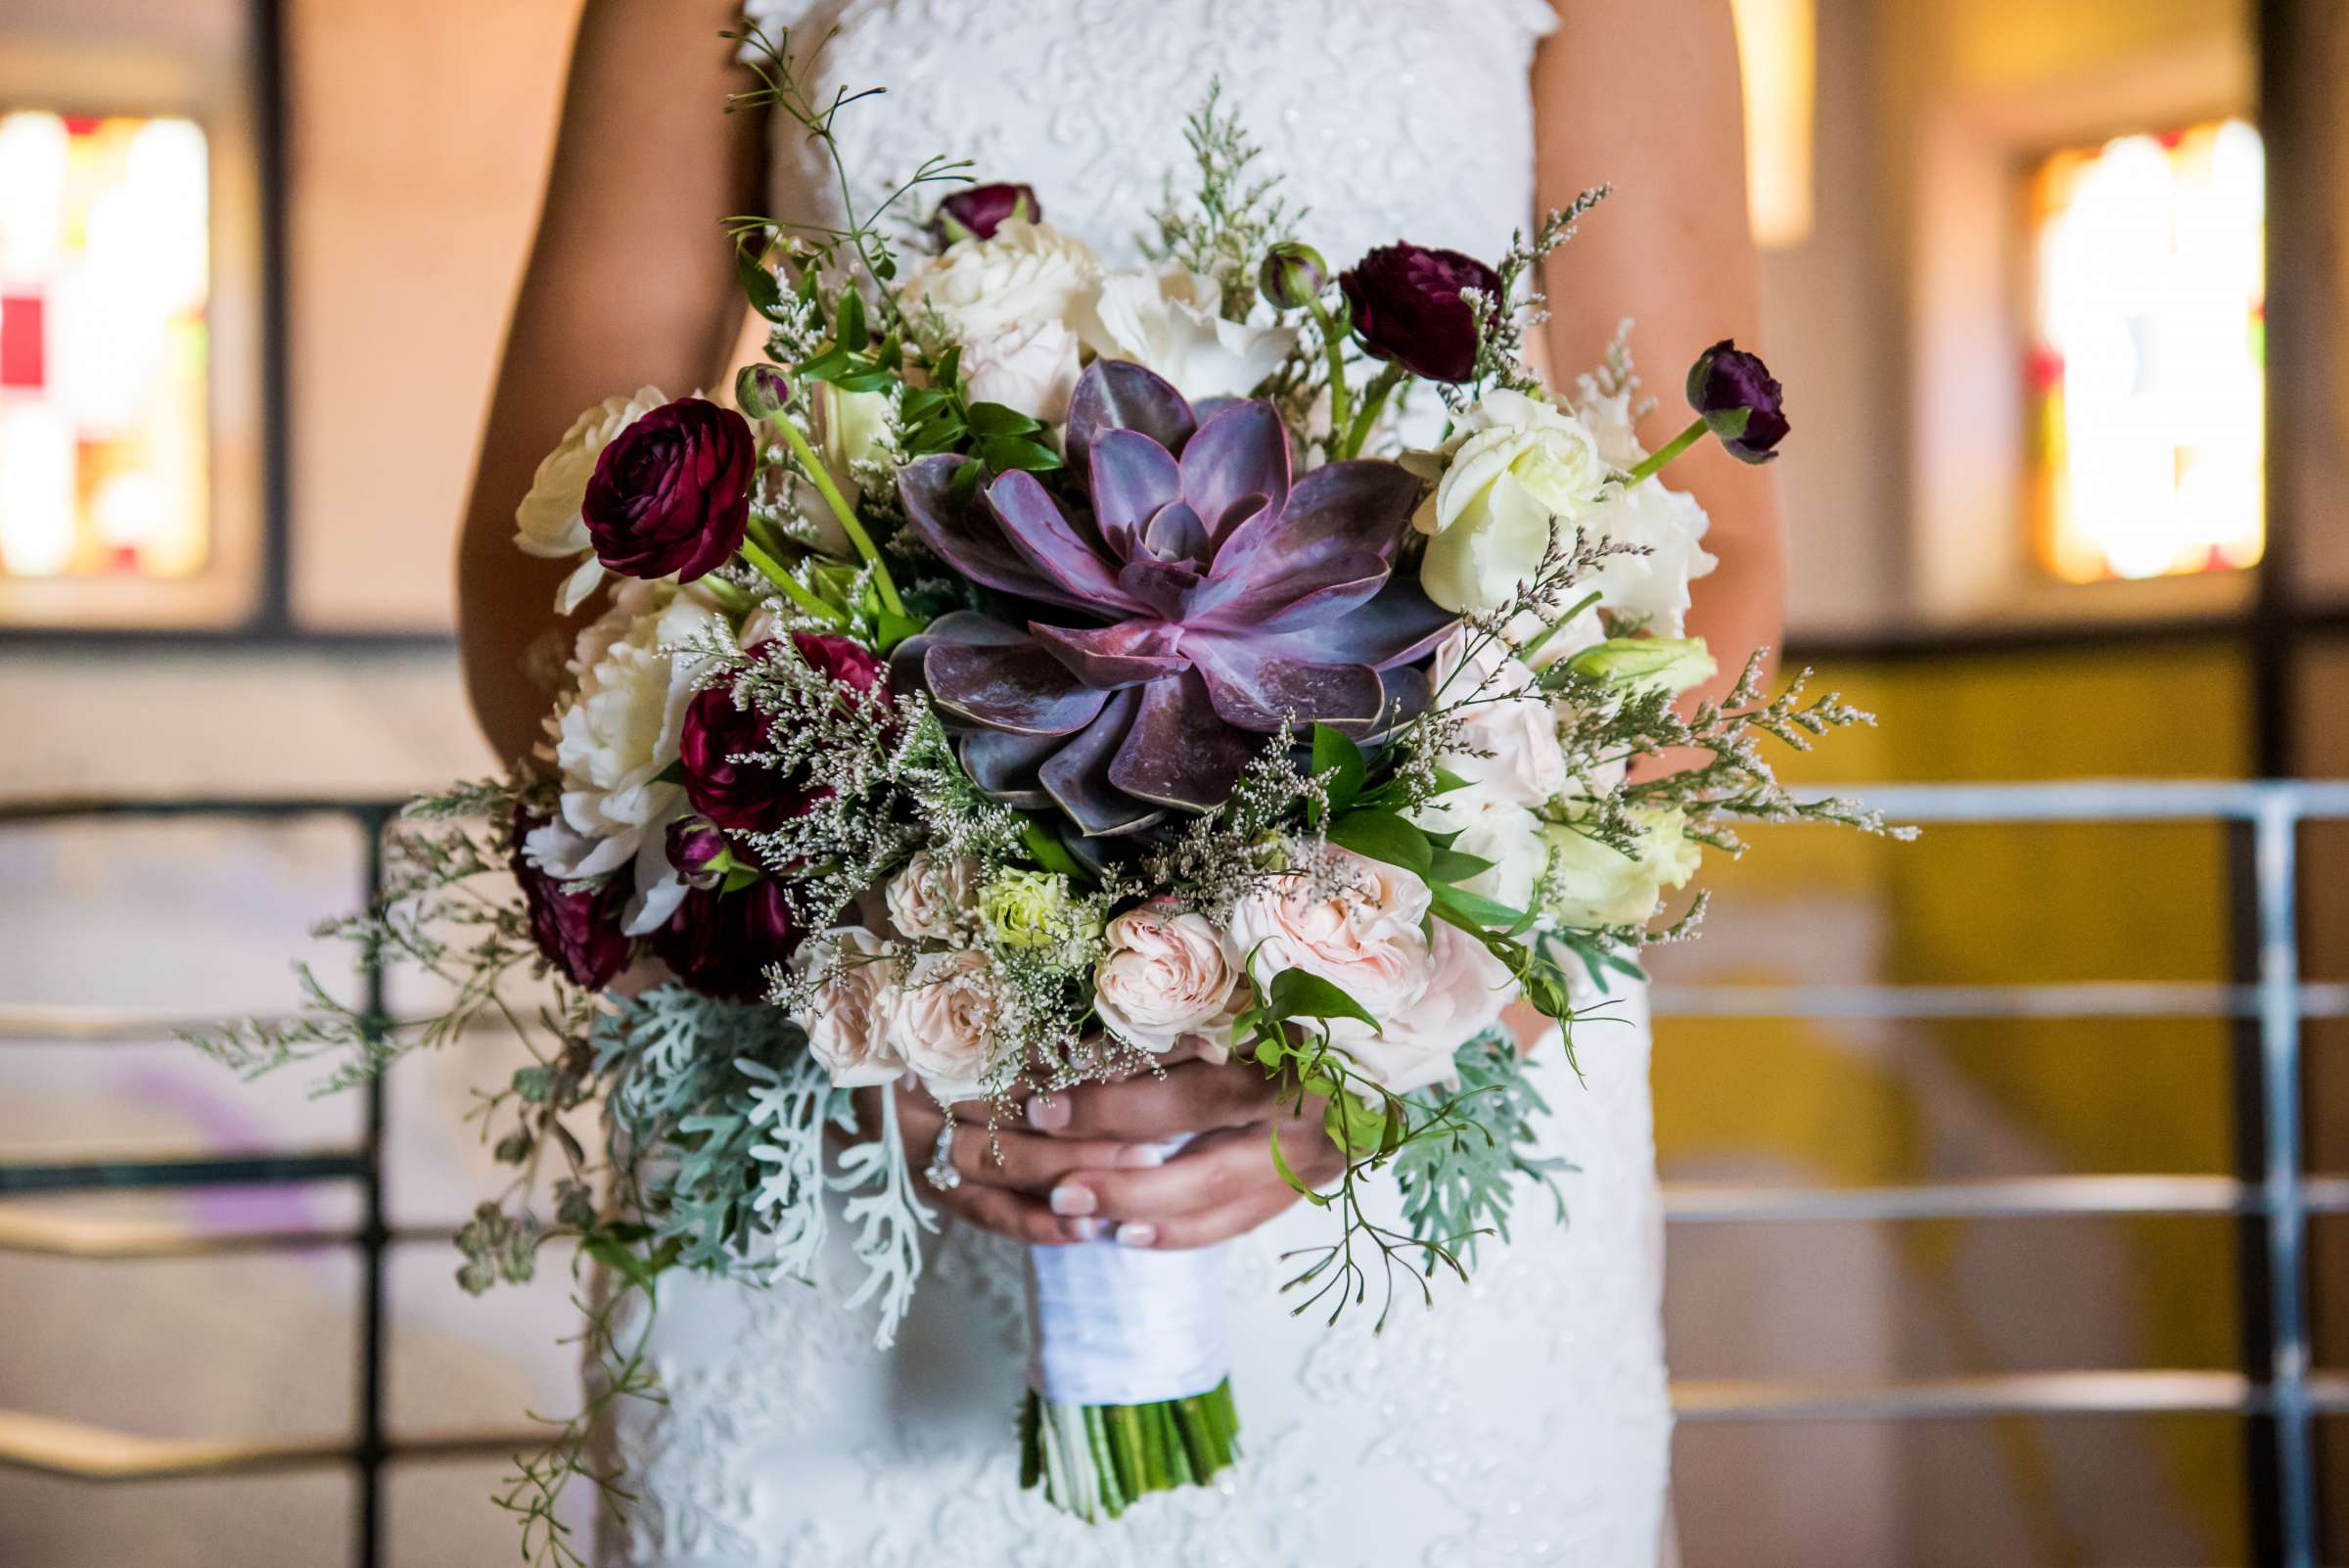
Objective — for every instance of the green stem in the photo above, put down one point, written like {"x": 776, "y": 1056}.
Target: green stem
{"x": 1374, "y": 398}
{"x": 770, "y": 569}
{"x": 1525, "y": 655}
{"x": 1666, "y": 453}
{"x": 822, "y": 478}
{"x": 1333, "y": 349}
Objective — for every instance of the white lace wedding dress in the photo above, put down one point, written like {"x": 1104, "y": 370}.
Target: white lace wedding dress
{"x": 1525, "y": 1419}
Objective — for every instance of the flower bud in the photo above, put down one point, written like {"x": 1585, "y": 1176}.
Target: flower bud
{"x": 762, "y": 392}
{"x": 976, "y": 214}
{"x": 1648, "y": 664}
{"x": 1293, "y": 275}
{"x": 1740, "y": 400}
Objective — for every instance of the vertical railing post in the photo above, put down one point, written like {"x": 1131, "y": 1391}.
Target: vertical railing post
{"x": 2273, "y": 844}
{"x": 374, "y": 1234}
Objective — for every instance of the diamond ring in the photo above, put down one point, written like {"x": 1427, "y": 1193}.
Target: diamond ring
{"x": 941, "y": 1174}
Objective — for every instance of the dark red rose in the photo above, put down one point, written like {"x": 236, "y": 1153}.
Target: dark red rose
{"x": 672, "y": 491}
{"x": 746, "y": 797}
{"x": 1727, "y": 381}
{"x": 721, "y": 943}
{"x": 1406, "y": 305}
{"x": 977, "y": 213}
{"x": 578, "y": 932}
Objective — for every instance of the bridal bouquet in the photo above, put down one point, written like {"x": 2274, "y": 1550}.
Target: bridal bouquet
{"x": 1034, "y": 670}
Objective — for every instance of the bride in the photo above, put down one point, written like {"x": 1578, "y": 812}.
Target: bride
{"x": 785, "y": 1438}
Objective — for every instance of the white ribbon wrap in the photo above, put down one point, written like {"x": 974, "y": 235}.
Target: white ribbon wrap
{"x": 1127, "y": 1325}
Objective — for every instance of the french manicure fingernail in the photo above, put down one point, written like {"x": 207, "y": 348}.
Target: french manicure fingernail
{"x": 1086, "y": 1230}
{"x": 1136, "y": 1234}
{"x": 1047, "y": 1115}
{"x": 1071, "y": 1199}
{"x": 1141, "y": 1156}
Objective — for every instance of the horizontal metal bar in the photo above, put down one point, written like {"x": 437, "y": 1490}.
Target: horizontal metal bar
{"x": 1994, "y": 1198}
{"x": 2115, "y": 1393}
{"x": 2131, "y": 800}
{"x": 2114, "y": 998}
{"x": 79, "y": 1451}
{"x": 104, "y": 1238}
{"x": 62, "y": 809}
{"x": 86, "y": 1172}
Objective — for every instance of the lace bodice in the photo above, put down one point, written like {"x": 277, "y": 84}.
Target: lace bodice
{"x": 1525, "y": 1419}
{"x": 1386, "y": 119}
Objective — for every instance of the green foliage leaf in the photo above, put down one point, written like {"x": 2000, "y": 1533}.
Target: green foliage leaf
{"x": 1280, "y": 1162}
{"x": 996, "y": 419}
{"x": 1450, "y": 865}
{"x": 1488, "y": 913}
{"x": 1336, "y": 754}
{"x": 1003, "y": 453}
{"x": 1294, "y": 994}
{"x": 1049, "y": 852}
{"x": 851, "y": 328}
{"x": 759, "y": 280}
{"x": 1355, "y": 1124}
{"x": 1384, "y": 836}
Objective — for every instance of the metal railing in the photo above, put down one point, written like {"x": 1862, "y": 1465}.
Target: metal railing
{"x": 2284, "y": 1390}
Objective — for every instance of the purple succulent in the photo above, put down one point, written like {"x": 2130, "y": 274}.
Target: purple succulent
{"x": 1203, "y": 599}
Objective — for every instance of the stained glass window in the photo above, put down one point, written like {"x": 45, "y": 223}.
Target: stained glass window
{"x": 2147, "y": 361}
{"x": 104, "y": 347}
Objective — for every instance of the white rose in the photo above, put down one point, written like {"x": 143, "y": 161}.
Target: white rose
{"x": 1513, "y": 464}
{"x": 1029, "y": 368}
{"x": 1023, "y": 275}
{"x": 1508, "y": 719}
{"x": 1167, "y": 975}
{"x": 943, "y": 1023}
{"x": 1591, "y": 885}
{"x": 1368, "y": 937}
{"x": 1168, "y": 319}
{"x": 1464, "y": 997}
{"x": 548, "y": 524}
{"x": 856, "y": 1001}
{"x": 933, "y": 901}
{"x": 616, "y": 734}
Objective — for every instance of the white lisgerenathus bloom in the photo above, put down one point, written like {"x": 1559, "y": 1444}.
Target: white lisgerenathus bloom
{"x": 1514, "y": 467}
{"x": 1591, "y": 885}
{"x": 1031, "y": 369}
{"x": 1168, "y": 319}
{"x": 1649, "y": 587}
{"x": 616, "y": 734}
{"x": 1032, "y": 909}
{"x": 1648, "y": 664}
{"x": 547, "y": 523}
{"x": 1506, "y": 731}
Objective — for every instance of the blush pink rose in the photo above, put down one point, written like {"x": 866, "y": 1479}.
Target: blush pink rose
{"x": 1168, "y": 974}
{"x": 1465, "y": 997}
{"x": 1367, "y": 936}
{"x": 944, "y": 1025}
{"x": 932, "y": 899}
{"x": 856, "y": 999}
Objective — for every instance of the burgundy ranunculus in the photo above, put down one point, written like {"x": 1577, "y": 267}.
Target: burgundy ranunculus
{"x": 578, "y": 932}
{"x": 672, "y": 491}
{"x": 976, "y": 214}
{"x": 696, "y": 849}
{"x": 1726, "y": 380}
{"x": 1406, "y": 306}
{"x": 746, "y": 797}
{"x": 721, "y": 943}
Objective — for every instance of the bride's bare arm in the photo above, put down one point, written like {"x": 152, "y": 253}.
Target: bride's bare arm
{"x": 1643, "y": 95}
{"x": 629, "y": 282}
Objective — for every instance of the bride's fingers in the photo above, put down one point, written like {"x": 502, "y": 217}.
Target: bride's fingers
{"x": 1208, "y": 1227}
{"x": 1223, "y": 1170}
{"x": 1190, "y": 1097}
{"x": 1006, "y": 1214}
{"x": 1026, "y": 1161}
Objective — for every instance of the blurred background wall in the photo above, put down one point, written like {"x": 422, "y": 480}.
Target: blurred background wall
{"x": 2018, "y": 260}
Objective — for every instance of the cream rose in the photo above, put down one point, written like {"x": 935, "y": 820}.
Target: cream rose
{"x": 548, "y": 524}
{"x": 944, "y": 1022}
{"x": 1022, "y": 275}
{"x": 1168, "y": 974}
{"x": 1591, "y": 885}
{"x": 1029, "y": 368}
{"x": 1511, "y": 836}
{"x": 856, "y": 1001}
{"x": 616, "y": 735}
{"x": 1465, "y": 994}
{"x": 1513, "y": 464}
{"x": 933, "y": 900}
{"x": 1169, "y": 319}
{"x": 1368, "y": 937}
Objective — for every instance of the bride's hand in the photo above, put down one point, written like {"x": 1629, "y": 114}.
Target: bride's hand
{"x": 1006, "y": 1174}
{"x": 1222, "y": 1184}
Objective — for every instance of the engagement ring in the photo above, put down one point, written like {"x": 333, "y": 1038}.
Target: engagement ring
{"x": 941, "y": 1174}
